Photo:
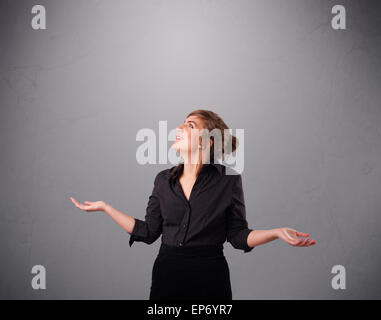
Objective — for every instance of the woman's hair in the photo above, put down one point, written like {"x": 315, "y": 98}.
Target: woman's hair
{"x": 213, "y": 121}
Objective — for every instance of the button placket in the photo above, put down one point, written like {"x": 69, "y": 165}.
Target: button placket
{"x": 186, "y": 219}
{"x": 184, "y": 224}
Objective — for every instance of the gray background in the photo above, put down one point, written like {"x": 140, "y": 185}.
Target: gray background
{"x": 74, "y": 96}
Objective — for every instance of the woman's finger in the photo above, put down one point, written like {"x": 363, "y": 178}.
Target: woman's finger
{"x": 77, "y": 204}
{"x": 88, "y": 202}
{"x": 303, "y": 242}
{"x": 302, "y": 234}
{"x": 83, "y": 207}
{"x": 298, "y": 242}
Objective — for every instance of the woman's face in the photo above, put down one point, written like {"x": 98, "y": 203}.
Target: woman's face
{"x": 187, "y": 138}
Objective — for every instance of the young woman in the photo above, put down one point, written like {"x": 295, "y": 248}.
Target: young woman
{"x": 196, "y": 206}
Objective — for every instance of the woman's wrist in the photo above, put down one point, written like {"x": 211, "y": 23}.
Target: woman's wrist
{"x": 276, "y": 233}
{"x": 106, "y": 207}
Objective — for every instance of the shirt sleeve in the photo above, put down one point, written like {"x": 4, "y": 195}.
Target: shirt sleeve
{"x": 150, "y": 229}
{"x": 237, "y": 230}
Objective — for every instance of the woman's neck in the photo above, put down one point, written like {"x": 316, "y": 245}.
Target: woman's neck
{"x": 191, "y": 170}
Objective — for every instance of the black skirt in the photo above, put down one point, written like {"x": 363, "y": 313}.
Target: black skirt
{"x": 190, "y": 273}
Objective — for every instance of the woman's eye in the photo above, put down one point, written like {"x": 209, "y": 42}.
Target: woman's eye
{"x": 191, "y": 125}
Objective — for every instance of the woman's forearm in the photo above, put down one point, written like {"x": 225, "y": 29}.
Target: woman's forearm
{"x": 124, "y": 220}
{"x": 258, "y": 237}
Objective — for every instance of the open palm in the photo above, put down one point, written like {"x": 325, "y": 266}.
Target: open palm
{"x": 89, "y": 206}
{"x": 291, "y": 237}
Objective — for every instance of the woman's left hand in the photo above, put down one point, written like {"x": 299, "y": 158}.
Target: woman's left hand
{"x": 291, "y": 237}
{"x": 90, "y": 206}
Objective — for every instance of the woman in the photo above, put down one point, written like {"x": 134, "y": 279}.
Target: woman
{"x": 196, "y": 206}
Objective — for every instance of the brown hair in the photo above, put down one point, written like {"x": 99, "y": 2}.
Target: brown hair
{"x": 213, "y": 121}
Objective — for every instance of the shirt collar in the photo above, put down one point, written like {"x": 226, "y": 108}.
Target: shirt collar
{"x": 217, "y": 166}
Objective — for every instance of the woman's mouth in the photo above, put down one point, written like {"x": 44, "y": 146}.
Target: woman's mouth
{"x": 178, "y": 137}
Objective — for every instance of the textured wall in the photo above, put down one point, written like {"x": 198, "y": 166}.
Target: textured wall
{"x": 73, "y": 97}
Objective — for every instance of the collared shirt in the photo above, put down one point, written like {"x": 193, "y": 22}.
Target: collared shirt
{"x": 215, "y": 212}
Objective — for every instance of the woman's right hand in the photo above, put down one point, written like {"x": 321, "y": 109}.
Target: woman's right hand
{"x": 90, "y": 206}
{"x": 290, "y": 236}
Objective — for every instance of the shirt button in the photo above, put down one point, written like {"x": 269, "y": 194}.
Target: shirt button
{"x": 184, "y": 225}
{"x": 180, "y": 244}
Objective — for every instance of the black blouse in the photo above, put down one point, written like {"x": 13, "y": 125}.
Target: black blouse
{"x": 214, "y": 213}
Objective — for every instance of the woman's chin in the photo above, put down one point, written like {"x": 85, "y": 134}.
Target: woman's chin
{"x": 175, "y": 147}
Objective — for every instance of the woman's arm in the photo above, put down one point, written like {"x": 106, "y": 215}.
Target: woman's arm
{"x": 125, "y": 221}
{"x": 258, "y": 237}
